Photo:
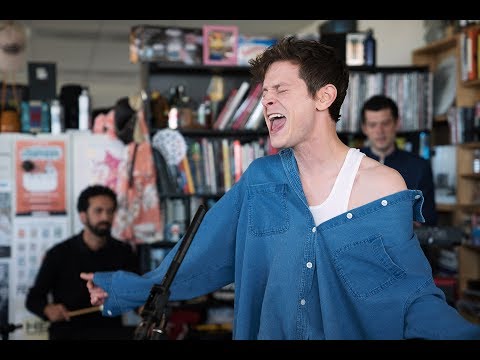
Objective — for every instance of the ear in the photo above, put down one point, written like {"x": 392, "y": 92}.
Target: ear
{"x": 325, "y": 97}
{"x": 362, "y": 126}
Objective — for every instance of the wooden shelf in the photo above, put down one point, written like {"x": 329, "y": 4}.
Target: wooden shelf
{"x": 472, "y": 247}
{"x": 470, "y": 145}
{"x": 437, "y": 46}
{"x": 440, "y": 118}
{"x": 472, "y": 83}
{"x": 446, "y": 207}
{"x": 472, "y": 176}
{"x": 467, "y": 93}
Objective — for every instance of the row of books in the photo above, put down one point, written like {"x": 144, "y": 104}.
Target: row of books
{"x": 242, "y": 110}
{"x": 211, "y": 166}
{"x": 408, "y": 89}
{"x": 469, "y": 49}
{"x": 464, "y": 124}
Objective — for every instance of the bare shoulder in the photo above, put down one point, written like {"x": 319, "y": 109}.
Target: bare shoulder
{"x": 373, "y": 181}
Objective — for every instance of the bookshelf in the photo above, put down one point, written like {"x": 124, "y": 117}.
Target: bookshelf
{"x": 409, "y": 86}
{"x": 454, "y": 127}
{"x": 196, "y": 79}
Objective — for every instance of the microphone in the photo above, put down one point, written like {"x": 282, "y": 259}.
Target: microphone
{"x": 153, "y": 313}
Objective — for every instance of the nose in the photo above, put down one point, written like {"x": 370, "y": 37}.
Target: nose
{"x": 106, "y": 215}
{"x": 267, "y": 99}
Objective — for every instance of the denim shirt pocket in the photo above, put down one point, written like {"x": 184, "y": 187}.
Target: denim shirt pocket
{"x": 267, "y": 209}
{"x": 365, "y": 267}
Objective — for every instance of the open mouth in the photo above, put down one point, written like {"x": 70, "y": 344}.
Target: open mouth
{"x": 277, "y": 121}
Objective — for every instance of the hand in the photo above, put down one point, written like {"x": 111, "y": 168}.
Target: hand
{"x": 56, "y": 312}
{"x": 97, "y": 294}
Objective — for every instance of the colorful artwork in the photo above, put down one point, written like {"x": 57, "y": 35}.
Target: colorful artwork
{"x": 40, "y": 176}
{"x": 220, "y": 45}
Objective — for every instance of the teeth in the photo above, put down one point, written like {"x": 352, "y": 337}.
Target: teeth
{"x": 274, "y": 116}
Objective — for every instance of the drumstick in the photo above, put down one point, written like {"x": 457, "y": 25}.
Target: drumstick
{"x": 85, "y": 310}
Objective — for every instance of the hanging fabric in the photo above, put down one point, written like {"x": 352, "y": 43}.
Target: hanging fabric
{"x": 138, "y": 218}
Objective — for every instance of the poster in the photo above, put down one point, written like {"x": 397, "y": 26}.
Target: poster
{"x": 3, "y": 292}
{"x": 5, "y": 195}
{"x": 99, "y": 158}
{"x": 5, "y": 223}
{"x": 34, "y": 235}
{"x": 40, "y": 176}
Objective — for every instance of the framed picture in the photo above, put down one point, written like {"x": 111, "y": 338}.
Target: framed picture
{"x": 220, "y": 45}
{"x": 354, "y": 49}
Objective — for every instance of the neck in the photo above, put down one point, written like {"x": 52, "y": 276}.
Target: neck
{"x": 382, "y": 154}
{"x": 320, "y": 155}
{"x": 93, "y": 241}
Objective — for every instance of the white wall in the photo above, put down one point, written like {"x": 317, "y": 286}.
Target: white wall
{"x": 396, "y": 39}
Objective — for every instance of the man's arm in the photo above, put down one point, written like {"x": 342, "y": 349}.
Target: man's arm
{"x": 36, "y": 300}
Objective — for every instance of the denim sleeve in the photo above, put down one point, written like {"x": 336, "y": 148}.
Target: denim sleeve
{"x": 429, "y": 316}
{"x": 126, "y": 290}
{"x": 207, "y": 266}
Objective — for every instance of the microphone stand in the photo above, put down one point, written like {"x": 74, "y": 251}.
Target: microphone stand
{"x": 153, "y": 314}
{"x": 5, "y": 330}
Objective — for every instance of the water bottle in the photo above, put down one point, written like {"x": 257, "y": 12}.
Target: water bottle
{"x": 424, "y": 145}
{"x": 476, "y": 161}
{"x": 56, "y": 126}
{"x": 369, "y": 49}
{"x": 84, "y": 111}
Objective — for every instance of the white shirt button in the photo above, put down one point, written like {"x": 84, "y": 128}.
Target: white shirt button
{"x": 302, "y": 302}
{"x": 384, "y": 202}
{"x": 417, "y": 196}
{"x": 109, "y": 312}
{"x": 314, "y": 229}
{"x": 349, "y": 215}
{"x": 309, "y": 265}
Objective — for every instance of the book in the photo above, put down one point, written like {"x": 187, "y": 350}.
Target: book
{"x": 227, "y": 174}
{"x": 221, "y": 115}
{"x": 166, "y": 181}
{"x": 186, "y": 173}
{"x": 472, "y": 34}
{"x": 237, "y": 160}
{"x": 231, "y": 106}
{"x": 247, "y": 107}
{"x": 256, "y": 117}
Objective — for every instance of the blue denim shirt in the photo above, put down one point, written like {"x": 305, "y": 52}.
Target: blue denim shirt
{"x": 359, "y": 275}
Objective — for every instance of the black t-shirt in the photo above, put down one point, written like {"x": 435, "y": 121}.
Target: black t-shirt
{"x": 417, "y": 173}
{"x": 59, "y": 275}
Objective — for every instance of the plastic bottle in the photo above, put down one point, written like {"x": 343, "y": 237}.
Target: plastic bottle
{"x": 424, "y": 145}
{"x": 476, "y": 161}
{"x": 369, "y": 49}
{"x": 84, "y": 111}
{"x": 56, "y": 124}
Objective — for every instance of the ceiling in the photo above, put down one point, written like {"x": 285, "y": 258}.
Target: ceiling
{"x": 92, "y": 50}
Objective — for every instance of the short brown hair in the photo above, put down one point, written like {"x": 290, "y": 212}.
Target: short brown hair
{"x": 319, "y": 66}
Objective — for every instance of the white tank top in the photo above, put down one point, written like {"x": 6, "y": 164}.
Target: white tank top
{"x": 337, "y": 201}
